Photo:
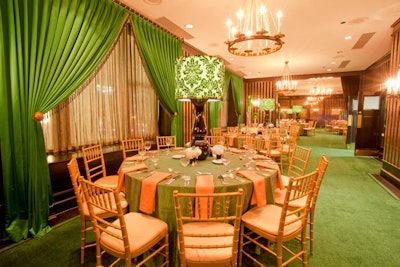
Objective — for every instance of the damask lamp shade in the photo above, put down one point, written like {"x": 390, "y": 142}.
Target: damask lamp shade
{"x": 297, "y": 109}
{"x": 199, "y": 79}
{"x": 267, "y": 104}
{"x": 289, "y": 111}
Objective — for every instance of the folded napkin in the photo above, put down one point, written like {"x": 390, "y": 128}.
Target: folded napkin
{"x": 260, "y": 157}
{"x": 136, "y": 158}
{"x": 204, "y": 185}
{"x": 259, "y": 196}
{"x": 123, "y": 170}
{"x": 273, "y": 166}
{"x": 236, "y": 150}
{"x": 148, "y": 191}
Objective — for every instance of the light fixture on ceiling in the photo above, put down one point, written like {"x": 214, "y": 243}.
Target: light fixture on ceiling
{"x": 319, "y": 91}
{"x": 287, "y": 83}
{"x": 257, "y": 31}
{"x": 393, "y": 85}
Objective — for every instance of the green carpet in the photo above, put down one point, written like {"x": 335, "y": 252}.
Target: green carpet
{"x": 356, "y": 221}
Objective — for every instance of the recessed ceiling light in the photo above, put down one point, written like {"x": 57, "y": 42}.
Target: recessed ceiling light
{"x": 329, "y": 70}
{"x": 347, "y": 37}
{"x": 189, "y": 26}
{"x": 153, "y": 2}
{"x": 333, "y": 62}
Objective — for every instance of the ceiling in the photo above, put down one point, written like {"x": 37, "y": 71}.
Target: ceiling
{"x": 314, "y": 31}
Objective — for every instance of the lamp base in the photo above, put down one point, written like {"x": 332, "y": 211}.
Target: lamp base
{"x": 199, "y": 128}
{"x": 204, "y": 147}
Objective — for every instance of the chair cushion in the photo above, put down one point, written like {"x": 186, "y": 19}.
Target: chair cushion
{"x": 266, "y": 219}
{"x": 211, "y": 255}
{"x": 279, "y": 198}
{"x": 110, "y": 181}
{"x": 274, "y": 153}
{"x": 285, "y": 180}
{"x": 143, "y": 230}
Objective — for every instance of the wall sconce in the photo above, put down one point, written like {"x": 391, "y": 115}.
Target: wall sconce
{"x": 392, "y": 85}
{"x": 199, "y": 79}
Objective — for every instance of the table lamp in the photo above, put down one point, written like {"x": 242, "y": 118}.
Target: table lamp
{"x": 267, "y": 104}
{"x": 297, "y": 110}
{"x": 199, "y": 79}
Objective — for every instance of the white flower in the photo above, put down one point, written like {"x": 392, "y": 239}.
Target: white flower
{"x": 192, "y": 152}
{"x": 217, "y": 150}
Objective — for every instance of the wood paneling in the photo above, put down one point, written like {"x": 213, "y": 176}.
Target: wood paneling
{"x": 391, "y": 155}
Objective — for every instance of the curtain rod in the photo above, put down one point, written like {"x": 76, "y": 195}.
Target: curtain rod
{"x": 130, "y": 9}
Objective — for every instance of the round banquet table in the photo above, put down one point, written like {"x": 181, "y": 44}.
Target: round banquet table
{"x": 169, "y": 162}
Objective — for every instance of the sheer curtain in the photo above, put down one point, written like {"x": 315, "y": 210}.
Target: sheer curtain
{"x": 117, "y": 102}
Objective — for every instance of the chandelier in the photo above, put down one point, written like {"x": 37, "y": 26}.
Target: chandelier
{"x": 257, "y": 32}
{"x": 287, "y": 83}
{"x": 320, "y": 92}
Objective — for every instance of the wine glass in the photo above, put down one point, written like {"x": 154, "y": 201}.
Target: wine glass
{"x": 184, "y": 161}
{"x": 142, "y": 151}
{"x": 168, "y": 143}
{"x": 147, "y": 145}
{"x": 226, "y": 159}
{"x": 186, "y": 178}
{"x": 154, "y": 159}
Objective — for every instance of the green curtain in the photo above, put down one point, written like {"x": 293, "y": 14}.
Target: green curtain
{"x": 48, "y": 48}
{"x": 160, "y": 51}
{"x": 237, "y": 88}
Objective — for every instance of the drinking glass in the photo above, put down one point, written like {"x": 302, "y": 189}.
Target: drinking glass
{"x": 154, "y": 159}
{"x": 225, "y": 159}
{"x": 142, "y": 152}
{"x": 168, "y": 143}
{"x": 147, "y": 145}
{"x": 184, "y": 161}
{"x": 186, "y": 178}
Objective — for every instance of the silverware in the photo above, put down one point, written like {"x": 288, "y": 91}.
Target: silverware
{"x": 172, "y": 179}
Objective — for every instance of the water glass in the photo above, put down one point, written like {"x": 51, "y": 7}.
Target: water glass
{"x": 184, "y": 161}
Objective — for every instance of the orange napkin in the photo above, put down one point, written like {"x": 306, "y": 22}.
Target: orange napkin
{"x": 260, "y": 157}
{"x": 259, "y": 196}
{"x": 204, "y": 185}
{"x": 123, "y": 170}
{"x": 236, "y": 150}
{"x": 148, "y": 191}
{"x": 136, "y": 158}
{"x": 273, "y": 166}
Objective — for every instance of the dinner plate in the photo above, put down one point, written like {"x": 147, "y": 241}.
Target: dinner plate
{"x": 218, "y": 161}
{"x": 179, "y": 156}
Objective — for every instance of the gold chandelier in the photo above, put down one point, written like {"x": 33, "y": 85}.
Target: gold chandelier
{"x": 287, "y": 83}
{"x": 257, "y": 32}
{"x": 320, "y": 91}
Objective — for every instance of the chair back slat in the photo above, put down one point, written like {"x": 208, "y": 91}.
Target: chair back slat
{"x": 94, "y": 162}
{"x": 223, "y": 211}
{"x": 131, "y": 145}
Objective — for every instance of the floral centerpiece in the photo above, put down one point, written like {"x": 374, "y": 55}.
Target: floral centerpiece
{"x": 192, "y": 154}
{"x": 218, "y": 150}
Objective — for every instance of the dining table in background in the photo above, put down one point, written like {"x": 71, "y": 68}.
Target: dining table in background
{"x": 169, "y": 162}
